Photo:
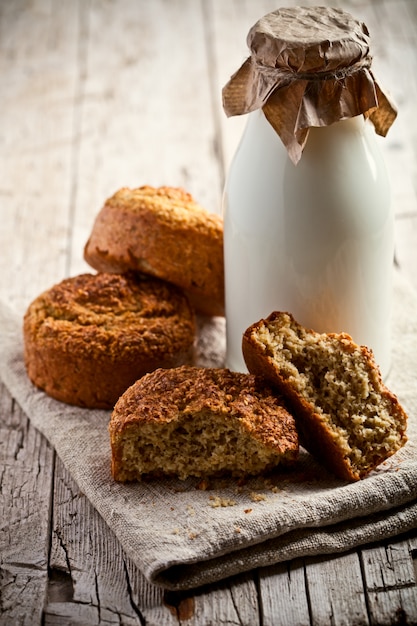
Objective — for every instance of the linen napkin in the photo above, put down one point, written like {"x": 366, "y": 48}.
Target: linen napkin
{"x": 182, "y": 534}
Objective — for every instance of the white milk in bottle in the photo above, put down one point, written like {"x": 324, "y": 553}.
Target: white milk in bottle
{"x": 308, "y": 224}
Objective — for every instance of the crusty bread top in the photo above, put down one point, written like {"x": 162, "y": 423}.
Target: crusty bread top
{"x": 107, "y": 313}
{"x": 162, "y": 232}
{"x": 164, "y": 394}
{"x": 173, "y": 204}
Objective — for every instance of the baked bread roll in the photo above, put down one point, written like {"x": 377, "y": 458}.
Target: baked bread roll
{"x": 165, "y": 233}
{"x": 202, "y": 422}
{"x": 345, "y": 415}
{"x": 91, "y": 336}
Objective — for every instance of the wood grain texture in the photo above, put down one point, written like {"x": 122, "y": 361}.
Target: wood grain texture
{"x": 390, "y": 583}
{"x": 99, "y": 94}
{"x": 26, "y": 470}
{"x": 97, "y": 579}
{"x": 336, "y": 599}
{"x": 284, "y": 594}
{"x": 38, "y": 45}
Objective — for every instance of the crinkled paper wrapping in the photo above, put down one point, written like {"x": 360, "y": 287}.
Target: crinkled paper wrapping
{"x": 181, "y": 536}
{"x": 308, "y": 67}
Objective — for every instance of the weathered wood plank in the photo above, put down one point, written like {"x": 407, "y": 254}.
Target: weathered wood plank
{"x": 26, "y": 467}
{"x": 283, "y": 594}
{"x": 335, "y": 590}
{"x": 391, "y": 583}
{"x": 100, "y": 584}
{"x": 38, "y": 76}
{"x": 232, "y": 602}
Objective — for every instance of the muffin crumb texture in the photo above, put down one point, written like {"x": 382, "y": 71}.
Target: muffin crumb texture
{"x": 345, "y": 414}
{"x": 191, "y": 421}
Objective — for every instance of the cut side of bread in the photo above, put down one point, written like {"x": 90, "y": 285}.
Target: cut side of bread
{"x": 202, "y": 422}
{"x": 345, "y": 414}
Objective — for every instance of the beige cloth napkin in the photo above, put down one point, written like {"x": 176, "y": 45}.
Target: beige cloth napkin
{"x": 181, "y": 536}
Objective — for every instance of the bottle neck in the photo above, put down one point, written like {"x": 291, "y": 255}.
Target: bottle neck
{"x": 258, "y": 126}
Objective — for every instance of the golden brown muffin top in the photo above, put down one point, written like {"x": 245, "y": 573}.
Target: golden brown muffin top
{"x": 171, "y": 204}
{"x": 111, "y": 312}
{"x": 164, "y": 394}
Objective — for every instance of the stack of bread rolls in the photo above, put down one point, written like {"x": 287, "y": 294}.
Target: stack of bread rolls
{"x": 159, "y": 260}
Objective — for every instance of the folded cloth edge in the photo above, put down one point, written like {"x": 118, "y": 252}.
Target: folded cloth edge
{"x": 300, "y": 543}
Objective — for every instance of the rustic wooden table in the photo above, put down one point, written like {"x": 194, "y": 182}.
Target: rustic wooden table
{"x": 96, "y": 95}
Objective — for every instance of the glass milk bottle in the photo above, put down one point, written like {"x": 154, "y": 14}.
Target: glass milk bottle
{"x": 308, "y": 224}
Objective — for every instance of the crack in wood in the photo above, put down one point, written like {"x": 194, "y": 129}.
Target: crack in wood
{"x": 395, "y": 587}
{"x": 234, "y": 604}
{"x": 26, "y": 566}
{"x": 413, "y": 554}
{"x": 308, "y": 594}
{"x": 60, "y": 586}
{"x": 365, "y": 590}
{"x": 20, "y": 444}
{"x": 64, "y": 548}
{"x": 133, "y": 604}
{"x": 96, "y": 586}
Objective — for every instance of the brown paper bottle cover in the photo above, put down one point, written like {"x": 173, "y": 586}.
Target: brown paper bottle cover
{"x": 308, "y": 67}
